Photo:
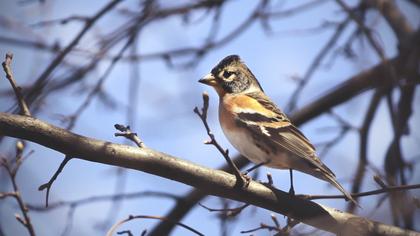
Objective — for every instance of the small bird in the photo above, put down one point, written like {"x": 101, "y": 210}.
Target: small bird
{"x": 258, "y": 129}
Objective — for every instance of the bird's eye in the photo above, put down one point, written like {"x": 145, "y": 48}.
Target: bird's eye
{"x": 227, "y": 74}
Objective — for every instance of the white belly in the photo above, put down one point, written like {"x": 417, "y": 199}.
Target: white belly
{"x": 245, "y": 145}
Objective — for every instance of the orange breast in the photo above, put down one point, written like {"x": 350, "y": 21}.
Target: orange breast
{"x": 226, "y": 113}
{"x": 232, "y": 104}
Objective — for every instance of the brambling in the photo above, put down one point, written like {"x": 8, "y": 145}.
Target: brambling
{"x": 257, "y": 128}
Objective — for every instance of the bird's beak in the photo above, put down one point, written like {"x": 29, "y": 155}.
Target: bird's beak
{"x": 208, "y": 80}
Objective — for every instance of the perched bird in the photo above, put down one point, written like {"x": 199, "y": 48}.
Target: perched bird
{"x": 257, "y": 128}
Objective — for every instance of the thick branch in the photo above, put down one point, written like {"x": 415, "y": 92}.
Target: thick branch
{"x": 394, "y": 17}
{"x": 214, "y": 182}
{"x": 372, "y": 78}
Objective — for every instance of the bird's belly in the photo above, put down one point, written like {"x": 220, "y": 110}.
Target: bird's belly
{"x": 244, "y": 143}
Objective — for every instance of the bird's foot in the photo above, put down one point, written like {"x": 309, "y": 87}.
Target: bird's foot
{"x": 246, "y": 178}
{"x": 242, "y": 180}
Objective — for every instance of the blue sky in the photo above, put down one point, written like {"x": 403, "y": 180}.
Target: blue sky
{"x": 165, "y": 120}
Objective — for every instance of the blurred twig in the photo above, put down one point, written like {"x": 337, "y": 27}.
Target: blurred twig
{"x": 40, "y": 82}
{"x": 363, "y": 194}
{"x": 131, "y": 217}
{"x": 16, "y": 194}
{"x": 363, "y": 146}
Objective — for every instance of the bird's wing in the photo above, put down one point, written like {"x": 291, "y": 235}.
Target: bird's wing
{"x": 277, "y": 130}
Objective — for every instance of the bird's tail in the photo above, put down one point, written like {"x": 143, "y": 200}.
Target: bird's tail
{"x": 331, "y": 179}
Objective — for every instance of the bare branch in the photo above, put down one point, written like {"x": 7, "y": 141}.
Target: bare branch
{"x": 372, "y": 78}
{"x": 62, "y": 21}
{"x": 364, "y": 29}
{"x": 30, "y": 44}
{"x": 94, "y": 199}
{"x": 127, "y": 133}
{"x": 11, "y": 171}
{"x": 24, "y": 110}
{"x": 189, "y": 201}
{"x": 395, "y": 18}
{"x": 48, "y": 185}
{"x": 229, "y": 212}
{"x": 40, "y": 82}
{"x": 212, "y": 181}
{"x": 316, "y": 62}
{"x": 363, "y": 194}
{"x": 241, "y": 180}
{"x": 363, "y": 147}
{"x": 7, "y": 194}
{"x": 130, "y": 218}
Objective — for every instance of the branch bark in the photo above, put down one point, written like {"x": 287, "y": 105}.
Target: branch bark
{"x": 213, "y": 182}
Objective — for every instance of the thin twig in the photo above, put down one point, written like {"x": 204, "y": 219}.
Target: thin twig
{"x": 24, "y": 110}
{"x": 11, "y": 171}
{"x": 73, "y": 205}
{"x": 98, "y": 86}
{"x": 7, "y": 194}
{"x": 48, "y": 185}
{"x": 363, "y": 194}
{"x": 262, "y": 226}
{"x": 228, "y": 211}
{"x": 316, "y": 63}
{"x": 101, "y": 198}
{"x": 240, "y": 179}
{"x": 127, "y": 133}
{"x": 41, "y": 81}
{"x": 115, "y": 226}
{"x": 277, "y": 227}
{"x": 363, "y": 28}
{"x": 128, "y": 232}
{"x": 62, "y": 21}
{"x": 363, "y": 147}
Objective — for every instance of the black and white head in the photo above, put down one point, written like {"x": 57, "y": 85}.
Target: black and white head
{"x": 231, "y": 75}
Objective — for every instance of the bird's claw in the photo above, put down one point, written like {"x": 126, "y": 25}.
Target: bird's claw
{"x": 246, "y": 179}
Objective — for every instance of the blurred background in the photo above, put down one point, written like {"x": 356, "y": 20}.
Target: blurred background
{"x": 87, "y": 65}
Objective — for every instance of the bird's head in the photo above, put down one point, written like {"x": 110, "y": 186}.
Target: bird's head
{"x": 231, "y": 75}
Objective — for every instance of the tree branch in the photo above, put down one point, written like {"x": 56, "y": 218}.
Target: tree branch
{"x": 241, "y": 181}
{"x": 49, "y": 184}
{"x": 130, "y": 218}
{"x": 40, "y": 82}
{"x": 394, "y": 17}
{"x": 12, "y": 171}
{"x": 365, "y": 80}
{"x": 24, "y": 110}
{"x": 211, "y": 181}
{"x": 363, "y": 194}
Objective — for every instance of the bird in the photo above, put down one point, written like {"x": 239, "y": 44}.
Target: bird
{"x": 258, "y": 128}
